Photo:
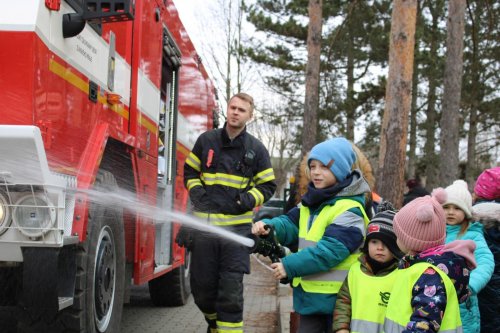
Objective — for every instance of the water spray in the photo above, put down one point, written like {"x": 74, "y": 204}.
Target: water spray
{"x": 127, "y": 200}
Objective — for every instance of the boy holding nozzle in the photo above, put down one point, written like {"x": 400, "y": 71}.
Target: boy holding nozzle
{"x": 329, "y": 226}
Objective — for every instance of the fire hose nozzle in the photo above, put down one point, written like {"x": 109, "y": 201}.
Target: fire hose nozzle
{"x": 269, "y": 246}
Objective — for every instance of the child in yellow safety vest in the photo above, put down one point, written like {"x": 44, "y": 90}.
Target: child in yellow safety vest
{"x": 328, "y": 228}
{"x": 363, "y": 297}
{"x": 432, "y": 277}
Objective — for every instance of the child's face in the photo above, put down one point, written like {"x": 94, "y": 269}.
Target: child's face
{"x": 378, "y": 251}
{"x": 321, "y": 175}
{"x": 454, "y": 215}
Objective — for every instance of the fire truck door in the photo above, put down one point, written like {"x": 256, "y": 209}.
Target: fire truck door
{"x": 167, "y": 144}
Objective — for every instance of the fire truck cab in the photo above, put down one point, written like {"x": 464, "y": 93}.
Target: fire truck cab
{"x": 98, "y": 96}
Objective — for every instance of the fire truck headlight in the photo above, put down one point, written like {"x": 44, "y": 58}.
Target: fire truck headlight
{"x": 34, "y": 215}
{"x": 5, "y": 214}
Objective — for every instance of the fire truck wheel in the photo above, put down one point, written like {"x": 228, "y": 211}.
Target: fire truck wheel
{"x": 173, "y": 288}
{"x": 101, "y": 268}
{"x": 99, "y": 288}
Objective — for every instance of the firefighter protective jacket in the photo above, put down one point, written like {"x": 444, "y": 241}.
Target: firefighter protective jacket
{"x": 227, "y": 178}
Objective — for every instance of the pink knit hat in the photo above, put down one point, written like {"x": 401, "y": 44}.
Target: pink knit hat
{"x": 421, "y": 224}
{"x": 488, "y": 184}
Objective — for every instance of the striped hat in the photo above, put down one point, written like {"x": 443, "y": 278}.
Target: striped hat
{"x": 380, "y": 228}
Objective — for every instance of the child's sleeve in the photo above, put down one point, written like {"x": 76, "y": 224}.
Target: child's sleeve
{"x": 348, "y": 229}
{"x": 286, "y": 227}
{"x": 480, "y": 276}
{"x": 342, "y": 311}
{"x": 428, "y": 302}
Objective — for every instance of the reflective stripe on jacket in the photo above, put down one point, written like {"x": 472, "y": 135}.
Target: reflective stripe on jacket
{"x": 225, "y": 219}
{"x": 325, "y": 282}
{"x": 369, "y": 297}
{"x": 399, "y": 310}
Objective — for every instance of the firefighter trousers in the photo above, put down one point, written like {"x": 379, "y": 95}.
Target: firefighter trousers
{"x": 217, "y": 268}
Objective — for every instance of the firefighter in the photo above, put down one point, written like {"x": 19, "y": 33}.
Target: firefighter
{"x": 228, "y": 173}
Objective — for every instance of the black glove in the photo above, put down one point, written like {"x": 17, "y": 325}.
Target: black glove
{"x": 244, "y": 202}
{"x": 201, "y": 201}
{"x": 185, "y": 237}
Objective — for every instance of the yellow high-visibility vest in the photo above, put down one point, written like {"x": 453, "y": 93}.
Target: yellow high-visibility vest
{"x": 325, "y": 282}
{"x": 369, "y": 298}
{"x": 400, "y": 310}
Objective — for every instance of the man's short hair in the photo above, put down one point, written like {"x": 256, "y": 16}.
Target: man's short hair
{"x": 246, "y": 97}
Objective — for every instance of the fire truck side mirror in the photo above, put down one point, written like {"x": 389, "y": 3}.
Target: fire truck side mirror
{"x": 98, "y": 11}
{"x": 73, "y": 24}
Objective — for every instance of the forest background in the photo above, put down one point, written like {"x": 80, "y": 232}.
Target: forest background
{"x": 262, "y": 47}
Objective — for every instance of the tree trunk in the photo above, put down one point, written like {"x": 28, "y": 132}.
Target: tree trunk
{"x": 452, "y": 91}
{"x": 430, "y": 158}
{"x": 471, "y": 169}
{"x": 238, "y": 53}
{"x": 412, "y": 154}
{"x": 312, "y": 75}
{"x": 350, "y": 105}
{"x": 229, "y": 43}
{"x": 398, "y": 101}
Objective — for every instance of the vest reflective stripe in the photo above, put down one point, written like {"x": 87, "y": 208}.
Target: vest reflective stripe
{"x": 325, "y": 282}
{"x": 223, "y": 219}
{"x": 364, "y": 326}
{"x": 400, "y": 310}
{"x": 333, "y": 275}
{"x": 393, "y": 327}
{"x": 369, "y": 292}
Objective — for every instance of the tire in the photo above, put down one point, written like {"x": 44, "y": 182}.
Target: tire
{"x": 99, "y": 286}
{"x": 99, "y": 290}
{"x": 173, "y": 288}
{"x": 9, "y": 277}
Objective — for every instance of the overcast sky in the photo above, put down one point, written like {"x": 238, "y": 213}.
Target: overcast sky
{"x": 203, "y": 20}
{"x": 191, "y": 13}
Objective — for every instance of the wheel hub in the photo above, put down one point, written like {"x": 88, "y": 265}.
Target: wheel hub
{"x": 104, "y": 279}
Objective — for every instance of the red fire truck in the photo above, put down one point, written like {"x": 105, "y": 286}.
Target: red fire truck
{"x": 95, "y": 95}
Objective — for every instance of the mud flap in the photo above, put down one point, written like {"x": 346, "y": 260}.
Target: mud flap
{"x": 48, "y": 276}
